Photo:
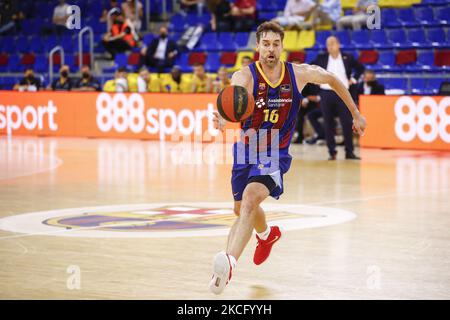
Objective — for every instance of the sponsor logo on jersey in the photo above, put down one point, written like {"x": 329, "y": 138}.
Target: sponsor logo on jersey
{"x": 285, "y": 87}
{"x": 260, "y": 103}
{"x": 277, "y": 103}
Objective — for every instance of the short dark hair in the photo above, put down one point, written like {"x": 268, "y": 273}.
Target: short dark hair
{"x": 269, "y": 26}
{"x": 121, "y": 69}
{"x": 247, "y": 57}
{"x": 196, "y": 64}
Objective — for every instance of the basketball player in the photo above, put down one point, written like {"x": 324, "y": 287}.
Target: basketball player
{"x": 271, "y": 80}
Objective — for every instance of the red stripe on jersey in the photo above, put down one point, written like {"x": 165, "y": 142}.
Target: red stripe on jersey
{"x": 261, "y": 93}
{"x": 285, "y": 91}
{"x": 286, "y": 139}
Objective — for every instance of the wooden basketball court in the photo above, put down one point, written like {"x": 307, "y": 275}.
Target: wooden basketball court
{"x": 396, "y": 246}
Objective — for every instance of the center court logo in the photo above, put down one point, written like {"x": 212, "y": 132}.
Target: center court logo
{"x": 163, "y": 220}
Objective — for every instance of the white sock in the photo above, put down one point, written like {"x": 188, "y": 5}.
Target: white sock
{"x": 265, "y": 234}
{"x": 232, "y": 261}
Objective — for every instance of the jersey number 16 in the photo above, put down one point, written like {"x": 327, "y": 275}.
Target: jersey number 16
{"x": 271, "y": 115}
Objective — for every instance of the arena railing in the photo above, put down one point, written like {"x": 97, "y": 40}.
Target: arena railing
{"x": 80, "y": 46}
{"x": 50, "y": 62}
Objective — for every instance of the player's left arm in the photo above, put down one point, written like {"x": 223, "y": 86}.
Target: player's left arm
{"x": 315, "y": 74}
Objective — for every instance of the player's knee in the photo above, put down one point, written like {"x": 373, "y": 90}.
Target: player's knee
{"x": 248, "y": 209}
{"x": 254, "y": 193}
{"x": 237, "y": 208}
{"x": 250, "y": 202}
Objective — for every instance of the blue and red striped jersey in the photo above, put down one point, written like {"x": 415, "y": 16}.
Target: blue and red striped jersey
{"x": 276, "y": 105}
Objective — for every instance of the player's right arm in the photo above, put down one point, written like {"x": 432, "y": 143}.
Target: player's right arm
{"x": 241, "y": 78}
{"x": 314, "y": 74}
{"x": 244, "y": 79}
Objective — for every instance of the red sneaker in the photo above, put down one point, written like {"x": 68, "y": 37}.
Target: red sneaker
{"x": 263, "y": 247}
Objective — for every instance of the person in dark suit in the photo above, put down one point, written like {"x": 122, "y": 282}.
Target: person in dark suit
{"x": 309, "y": 103}
{"x": 370, "y": 85}
{"x": 161, "y": 53}
{"x": 347, "y": 69}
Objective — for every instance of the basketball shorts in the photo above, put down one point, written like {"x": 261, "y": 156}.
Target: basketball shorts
{"x": 243, "y": 172}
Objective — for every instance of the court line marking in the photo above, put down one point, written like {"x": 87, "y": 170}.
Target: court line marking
{"x": 305, "y": 204}
{"x": 58, "y": 162}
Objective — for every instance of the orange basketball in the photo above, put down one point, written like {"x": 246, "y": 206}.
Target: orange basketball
{"x": 235, "y": 104}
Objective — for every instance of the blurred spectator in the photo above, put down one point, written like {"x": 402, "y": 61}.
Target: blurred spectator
{"x": 146, "y": 83}
{"x": 10, "y": 16}
{"x": 310, "y": 107}
{"x": 347, "y": 69}
{"x": 120, "y": 38}
{"x": 119, "y": 83}
{"x": 244, "y": 15}
{"x": 370, "y": 85}
{"x": 296, "y": 12}
{"x": 122, "y": 80}
{"x": 87, "y": 81}
{"x": 60, "y": 17}
{"x": 222, "y": 80}
{"x": 63, "y": 83}
{"x": 201, "y": 82}
{"x": 309, "y": 103}
{"x": 161, "y": 53}
{"x": 359, "y": 16}
{"x": 192, "y": 6}
{"x": 175, "y": 82}
{"x": 319, "y": 135}
{"x": 29, "y": 82}
{"x": 133, "y": 14}
{"x": 220, "y": 15}
{"x": 246, "y": 60}
{"x": 328, "y": 12}
{"x": 113, "y": 4}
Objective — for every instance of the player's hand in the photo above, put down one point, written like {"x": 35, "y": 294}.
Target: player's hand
{"x": 219, "y": 122}
{"x": 305, "y": 102}
{"x": 359, "y": 125}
